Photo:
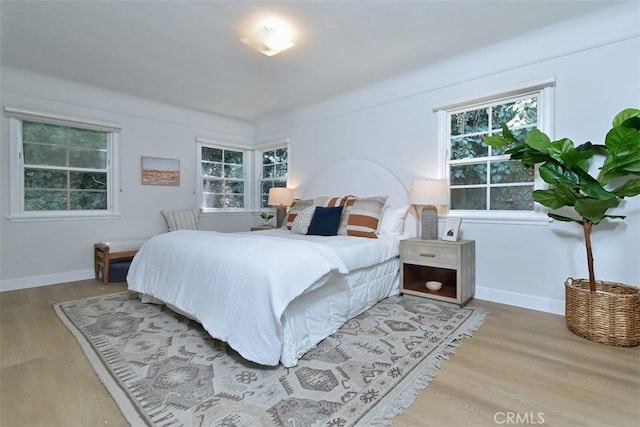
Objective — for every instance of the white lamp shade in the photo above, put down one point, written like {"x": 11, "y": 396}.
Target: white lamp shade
{"x": 429, "y": 192}
{"x": 280, "y": 196}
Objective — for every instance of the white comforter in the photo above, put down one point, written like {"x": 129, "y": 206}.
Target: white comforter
{"x": 238, "y": 285}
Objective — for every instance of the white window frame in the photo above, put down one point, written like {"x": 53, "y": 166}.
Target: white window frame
{"x": 284, "y": 143}
{"x": 248, "y": 174}
{"x": 544, "y": 90}
{"x": 16, "y": 166}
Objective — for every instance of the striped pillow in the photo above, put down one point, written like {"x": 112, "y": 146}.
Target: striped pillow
{"x": 329, "y": 202}
{"x": 348, "y": 204}
{"x": 187, "y": 219}
{"x": 364, "y": 217}
{"x": 297, "y": 207}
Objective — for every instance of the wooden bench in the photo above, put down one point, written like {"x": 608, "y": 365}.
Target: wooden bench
{"x": 105, "y": 252}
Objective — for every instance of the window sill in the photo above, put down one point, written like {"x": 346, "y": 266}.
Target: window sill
{"x": 533, "y": 218}
{"x": 70, "y": 216}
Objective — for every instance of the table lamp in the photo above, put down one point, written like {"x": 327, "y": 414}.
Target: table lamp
{"x": 426, "y": 193}
{"x": 281, "y": 198}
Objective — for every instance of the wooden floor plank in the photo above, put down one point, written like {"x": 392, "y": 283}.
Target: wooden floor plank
{"x": 521, "y": 364}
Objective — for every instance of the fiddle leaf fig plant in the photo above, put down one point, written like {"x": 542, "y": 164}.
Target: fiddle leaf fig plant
{"x": 567, "y": 169}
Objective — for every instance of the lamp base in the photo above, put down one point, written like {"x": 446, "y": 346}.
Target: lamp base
{"x": 281, "y": 214}
{"x": 429, "y": 223}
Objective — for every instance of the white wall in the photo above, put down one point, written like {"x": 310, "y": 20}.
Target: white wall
{"x": 46, "y": 252}
{"x": 596, "y": 63}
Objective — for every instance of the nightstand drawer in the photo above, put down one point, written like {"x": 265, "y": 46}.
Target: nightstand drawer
{"x": 430, "y": 254}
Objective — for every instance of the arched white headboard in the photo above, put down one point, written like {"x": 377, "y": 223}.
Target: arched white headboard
{"x": 362, "y": 178}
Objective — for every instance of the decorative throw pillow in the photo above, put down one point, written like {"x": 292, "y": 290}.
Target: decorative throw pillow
{"x": 325, "y": 221}
{"x": 392, "y": 222}
{"x": 348, "y": 203}
{"x": 186, "y": 219}
{"x": 297, "y": 207}
{"x": 364, "y": 217}
{"x": 329, "y": 202}
{"x": 302, "y": 220}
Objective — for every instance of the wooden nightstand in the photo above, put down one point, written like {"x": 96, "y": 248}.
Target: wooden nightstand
{"x": 262, "y": 227}
{"x": 451, "y": 263}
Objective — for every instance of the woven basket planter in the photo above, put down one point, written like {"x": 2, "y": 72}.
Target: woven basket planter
{"x": 609, "y": 316}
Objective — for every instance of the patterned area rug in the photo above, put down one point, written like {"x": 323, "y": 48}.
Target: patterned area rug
{"x": 164, "y": 369}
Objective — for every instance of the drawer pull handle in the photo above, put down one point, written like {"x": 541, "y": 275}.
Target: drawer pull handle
{"x": 428, "y": 255}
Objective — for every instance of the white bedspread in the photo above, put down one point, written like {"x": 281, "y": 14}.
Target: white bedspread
{"x": 238, "y": 285}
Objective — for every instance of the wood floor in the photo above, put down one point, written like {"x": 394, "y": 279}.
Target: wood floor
{"x": 522, "y": 367}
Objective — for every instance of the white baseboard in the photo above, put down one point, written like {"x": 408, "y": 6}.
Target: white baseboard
{"x": 504, "y": 297}
{"x": 49, "y": 279}
{"x": 547, "y": 305}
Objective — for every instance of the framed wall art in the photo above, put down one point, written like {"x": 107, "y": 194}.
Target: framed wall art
{"x": 451, "y": 229}
{"x": 159, "y": 171}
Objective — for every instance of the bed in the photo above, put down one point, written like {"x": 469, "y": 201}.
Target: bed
{"x": 273, "y": 295}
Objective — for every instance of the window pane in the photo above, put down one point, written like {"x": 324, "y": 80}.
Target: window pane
{"x": 268, "y": 157}
{"x": 211, "y": 154}
{"x": 212, "y": 186}
{"x": 470, "y": 121}
{"x": 469, "y": 198}
{"x": 45, "y": 154}
{"x": 88, "y": 200}
{"x": 88, "y": 180}
{"x": 268, "y": 171}
{"x": 282, "y": 155}
{"x": 235, "y": 157}
{"x": 42, "y": 178}
{"x": 87, "y": 138}
{"x": 212, "y": 169}
{"x": 519, "y": 113}
{"x": 231, "y": 201}
{"x": 266, "y": 185}
{"x": 510, "y": 171}
{"x": 45, "y": 200}
{"x": 235, "y": 187}
{"x": 512, "y": 198}
{"x": 468, "y": 147}
{"x": 233, "y": 171}
{"x": 468, "y": 174}
{"x": 264, "y": 201}
{"x": 281, "y": 170}
{"x": 42, "y": 132}
{"x": 82, "y": 158}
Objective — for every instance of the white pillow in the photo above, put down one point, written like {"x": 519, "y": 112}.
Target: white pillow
{"x": 302, "y": 220}
{"x": 392, "y": 222}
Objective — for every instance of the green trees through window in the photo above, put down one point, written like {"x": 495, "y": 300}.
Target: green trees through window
{"x": 482, "y": 177}
{"x": 275, "y": 166}
{"x": 64, "y": 168}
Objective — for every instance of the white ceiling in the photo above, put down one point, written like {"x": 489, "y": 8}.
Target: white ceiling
{"x": 188, "y": 53}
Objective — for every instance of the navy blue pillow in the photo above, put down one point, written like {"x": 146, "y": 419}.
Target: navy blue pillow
{"x": 325, "y": 221}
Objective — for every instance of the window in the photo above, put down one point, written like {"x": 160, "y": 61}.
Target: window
{"x": 482, "y": 178}
{"x": 222, "y": 177}
{"x": 273, "y": 170}
{"x": 64, "y": 167}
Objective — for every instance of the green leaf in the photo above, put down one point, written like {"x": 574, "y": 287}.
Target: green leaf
{"x": 595, "y": 210}
{"x": 538, "y": 141}
{"x": 630, "y": 188}
{"x": 621, "y": 141}
{"x": 626, "y": 115}
{"x": 564, "y": 218}
{"x": 496, "y": 141}
{"x": 555, "y": 197}
{"x": 592, "y": 187}
{"x": 552, "y": 172}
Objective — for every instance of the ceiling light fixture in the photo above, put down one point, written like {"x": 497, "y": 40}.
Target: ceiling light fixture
{"x": 268, "y": 41}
